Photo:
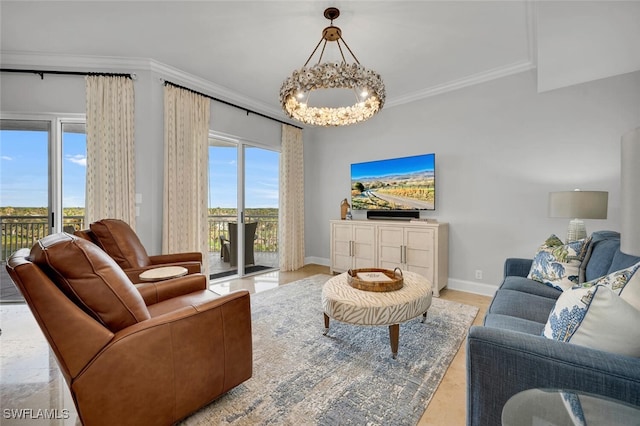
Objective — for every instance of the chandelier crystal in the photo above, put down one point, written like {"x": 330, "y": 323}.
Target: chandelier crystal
{"x": 366, "y": 84}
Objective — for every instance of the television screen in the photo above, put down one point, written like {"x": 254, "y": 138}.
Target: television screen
{"x": 406, "y": 183}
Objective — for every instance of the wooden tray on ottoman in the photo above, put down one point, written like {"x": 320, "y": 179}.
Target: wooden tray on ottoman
{"x": 375, "y": 279}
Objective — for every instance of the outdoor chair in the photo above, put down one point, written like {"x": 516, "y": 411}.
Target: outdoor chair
{"x": 249, "y": 238}
{"x": 126, "y": 358}
{"x": 120, "y": 242}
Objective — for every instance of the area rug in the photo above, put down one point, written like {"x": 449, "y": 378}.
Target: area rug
{"x": 301, "y": 377}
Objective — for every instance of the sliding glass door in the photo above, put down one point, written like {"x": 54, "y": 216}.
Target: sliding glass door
{"x": 261, "y": 192}
{"x": 42, "y": 182}
{"x": 243, "y": 208}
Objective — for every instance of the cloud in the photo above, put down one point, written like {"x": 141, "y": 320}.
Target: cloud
{"x": 6, "y": 157}
{"x": 78, "y": 159}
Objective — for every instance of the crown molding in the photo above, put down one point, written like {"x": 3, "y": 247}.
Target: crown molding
{"x": 207, "y": 87}
{"x": 72, "y": 62}
{"x": 450, "y": 86}
{"x": 87, "y": 63}
{"x": 166, "y": 72}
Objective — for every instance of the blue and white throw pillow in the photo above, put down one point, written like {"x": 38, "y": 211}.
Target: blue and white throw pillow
{"x": 557, "y": 264}
{"x": 625, "y": 283}
{"x": 574, "y": 408}
{"x": 595, "y": 317}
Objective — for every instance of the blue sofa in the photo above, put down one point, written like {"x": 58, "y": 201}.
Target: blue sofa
{"x": 508, "y": 354}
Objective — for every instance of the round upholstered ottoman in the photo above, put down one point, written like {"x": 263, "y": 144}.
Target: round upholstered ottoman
{"x": 344, "y": 303}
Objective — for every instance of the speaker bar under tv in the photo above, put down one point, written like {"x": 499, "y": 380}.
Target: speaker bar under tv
{"x": 393, "y": 214}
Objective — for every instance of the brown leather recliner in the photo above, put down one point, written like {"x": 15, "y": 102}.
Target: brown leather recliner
{"x": 131, "y": 358}
{"x": 120, "y": 242}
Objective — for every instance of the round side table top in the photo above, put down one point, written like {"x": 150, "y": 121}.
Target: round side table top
{"x": 163, "y": 273}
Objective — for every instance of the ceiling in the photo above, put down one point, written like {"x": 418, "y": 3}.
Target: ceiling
{"x": 248, "y": 48}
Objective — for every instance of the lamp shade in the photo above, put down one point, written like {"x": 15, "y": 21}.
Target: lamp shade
{"x": 630, "y": 191}
{"x": 579, "y": 204}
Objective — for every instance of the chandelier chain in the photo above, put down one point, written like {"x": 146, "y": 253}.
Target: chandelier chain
{"x": 348, "y": 48}
{"x": 314, "y": 51}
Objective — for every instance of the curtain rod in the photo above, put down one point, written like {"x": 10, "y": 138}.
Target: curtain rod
{"x": 229, "y": 103}
{"x": 41, "y": 73}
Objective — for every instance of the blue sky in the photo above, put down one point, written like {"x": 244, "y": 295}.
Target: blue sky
{"x": 261, "y": 177}
{"x": 393, "y": 166}
{"x": 24, "y": 172}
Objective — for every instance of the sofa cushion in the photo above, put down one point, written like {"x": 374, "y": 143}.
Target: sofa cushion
{"x": 526, "y": 285}
{"x": 599, "y": 261}
{"x": 595, "y": 317}
{"x": 556, "y": 264}
{"x": 521, "y": 325}
{"x": 596, "y": 237}
{"x": 90, "y": 278}
{"x": 521, "y": 305}
{"x": 622, "y": 261}
{"x": 121, "y": 243}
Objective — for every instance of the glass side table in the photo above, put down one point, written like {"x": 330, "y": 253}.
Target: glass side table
{"x": 560, "y": 407}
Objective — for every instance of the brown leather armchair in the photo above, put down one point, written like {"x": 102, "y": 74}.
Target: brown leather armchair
{"x": 120, "y": 242}
{"x": 130, "y": 357}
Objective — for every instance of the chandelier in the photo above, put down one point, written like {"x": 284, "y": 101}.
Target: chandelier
{"x": 366, "y": 84}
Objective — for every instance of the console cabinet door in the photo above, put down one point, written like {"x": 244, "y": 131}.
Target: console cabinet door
{"x": 390, "y": 246}
{"x": 353, "y": 245}
{"x": 341, "y": 246}
{"x": 364, "y": 246}
{"x": 419, "y": 251}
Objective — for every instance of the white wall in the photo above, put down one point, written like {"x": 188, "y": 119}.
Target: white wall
{"x": 500, "y": 149}
{"x": 582, "y": 41}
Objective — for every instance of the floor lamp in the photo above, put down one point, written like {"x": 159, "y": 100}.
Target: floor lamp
{"x": 578, "y": 205}
{"x": 630, "y": 192}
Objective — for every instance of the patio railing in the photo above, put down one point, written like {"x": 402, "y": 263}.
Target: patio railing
{"x": 23, "y": 231}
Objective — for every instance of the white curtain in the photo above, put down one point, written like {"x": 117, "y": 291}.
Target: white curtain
{"x": 186, "y": 157}
{"x": 110, "y": 191}
{"x": 291, "y": 212}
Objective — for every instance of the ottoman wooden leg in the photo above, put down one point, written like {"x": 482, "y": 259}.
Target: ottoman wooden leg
{"x": 424, "y": 317}
{"x": 326, "y": 324}
{"x": 394, "y": 336}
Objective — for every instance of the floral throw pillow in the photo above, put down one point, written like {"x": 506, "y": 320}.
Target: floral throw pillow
{"x": 595, "y": 317}
{"x": 556, "y": 264}
{"x": 625, "y": 283}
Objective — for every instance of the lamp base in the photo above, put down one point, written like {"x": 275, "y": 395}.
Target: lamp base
{"x": 576, "y": 231}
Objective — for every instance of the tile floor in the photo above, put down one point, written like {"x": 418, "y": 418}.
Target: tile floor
{"x": 30, "y": 378}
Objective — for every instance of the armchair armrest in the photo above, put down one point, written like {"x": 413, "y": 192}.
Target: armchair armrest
{"x": 154, "y": 292}
{"x": 176, "y": 258}
{"x": 523, "y": 361}
{"x": 517, "y": 267}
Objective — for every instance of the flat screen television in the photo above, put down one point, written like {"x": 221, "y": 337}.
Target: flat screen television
{"x": 406, "y": 183}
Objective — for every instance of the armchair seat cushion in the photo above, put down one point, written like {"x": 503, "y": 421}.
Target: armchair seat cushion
{"x": 530, "y": 286}
{"x": 522, "y": 305}
{"x": 506, "y": 322}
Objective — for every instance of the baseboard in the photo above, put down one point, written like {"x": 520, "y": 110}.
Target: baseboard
{"x": 472, "y": 287}
{"x": 317, "y": 261}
